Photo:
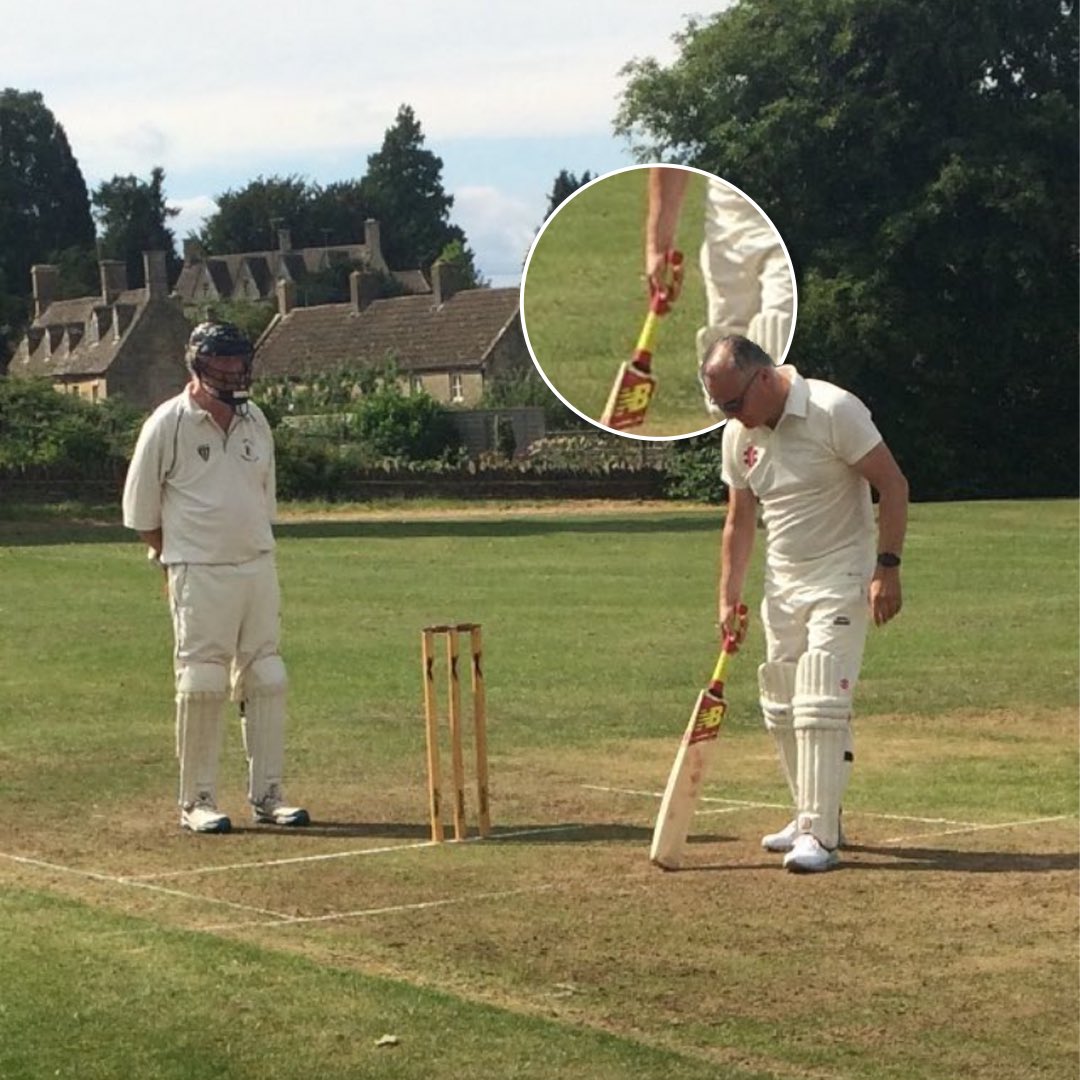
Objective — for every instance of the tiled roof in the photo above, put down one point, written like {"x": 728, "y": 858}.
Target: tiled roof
{"x": 411, "y": 330}
{"x": 65, "y": 340}
{"x": 266, "y": 267}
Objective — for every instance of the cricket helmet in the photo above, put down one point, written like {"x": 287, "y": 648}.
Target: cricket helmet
{"x": 210, "y": 340}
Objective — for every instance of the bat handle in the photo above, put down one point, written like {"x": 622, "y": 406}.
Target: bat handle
{"x": 733, "y": 638}
{"x": 665, "y": 293}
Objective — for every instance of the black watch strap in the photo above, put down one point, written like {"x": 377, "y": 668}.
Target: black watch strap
{"x": 887, "y": 558}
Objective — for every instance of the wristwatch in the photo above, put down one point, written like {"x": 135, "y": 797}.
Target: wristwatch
{"x": 887, "y": 558}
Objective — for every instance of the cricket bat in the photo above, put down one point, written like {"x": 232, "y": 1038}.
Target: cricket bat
{"x": 635, "y": 383}
{"x": 692, "y": 761}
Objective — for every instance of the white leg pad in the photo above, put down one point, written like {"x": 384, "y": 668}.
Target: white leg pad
{"x": 201, "y": 691}
{"x": 776, "y": 684}
{"x": 770, "y": 330}
{"x": 265, "y": 684}
{"x": 822, "y": 721}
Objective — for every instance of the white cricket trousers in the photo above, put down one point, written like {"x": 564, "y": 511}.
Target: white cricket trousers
{"x": 832, "y": 619}
{"x": 744, "y": 265}
{"x": 225, "y": 614}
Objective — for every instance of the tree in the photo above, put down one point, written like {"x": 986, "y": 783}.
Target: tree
{"x": 249, "y": 219}
{"x": 44, "y": 206}
{"x": 920, "y": 160}
{"x": 566, "y": 183}
{"x": 133, "y": 217}
{"x": 459, "y": 255}
{"x": 403, "y": 188}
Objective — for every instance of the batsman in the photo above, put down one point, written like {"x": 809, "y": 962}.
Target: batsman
{"x": 806, "y": 453}
{"x": 200, "y": 492}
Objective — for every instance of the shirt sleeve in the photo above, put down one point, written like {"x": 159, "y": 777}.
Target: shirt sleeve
{"x": 271, "y": 479}
{"x": 732, "y": 471}
{"x": 142, "y": 486}
{"x": 853, "y": 430}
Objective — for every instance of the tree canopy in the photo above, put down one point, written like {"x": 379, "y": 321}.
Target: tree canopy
{"x": 44, "y": 205}
{"x": 566, "y": 183}
{"x": 920, "y": 160}
{"x": 133, "y": 217}
{"x": 403, "y": 189}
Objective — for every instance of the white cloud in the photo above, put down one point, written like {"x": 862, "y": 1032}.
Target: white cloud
{"x": 193, "y": 212}
{"x": 499, "y": 229}
{"x": 241, "y": 79}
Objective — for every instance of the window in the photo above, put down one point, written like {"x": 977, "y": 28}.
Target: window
{"x": 457, "y": 392}
{"x": 416, "y": 384}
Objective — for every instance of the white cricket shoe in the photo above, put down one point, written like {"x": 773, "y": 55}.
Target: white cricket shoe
{"x": 202, "y": 816}
{"x": 807, "y": 856}
{"x": 271, "y": 809}
{"x": 781, "y": 841}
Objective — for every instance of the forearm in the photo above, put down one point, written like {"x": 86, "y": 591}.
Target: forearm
{"x": 152, "y": 539}
{"x": 736, "y": 549}
{"x": 667, "y": 189}
{"x": 892, "y": 515}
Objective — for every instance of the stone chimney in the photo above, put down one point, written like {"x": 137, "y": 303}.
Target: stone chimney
{"x": 193, "y": 251}
{"x": 286, "y": 295}
{"x": 445, "y": 281}
{"x": 363, "y": 288}
{"x": 373, "y": 243}
{"x": 45, "y": 278}
{"x": 156, "y": 275}
{"x": 113, "y": 279}
{"x": 284, "y": 240}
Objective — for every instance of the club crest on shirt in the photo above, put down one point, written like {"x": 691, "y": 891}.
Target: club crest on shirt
{"x": 247, "y": 450}
{"x": 204, "y": 451}
{"x": 750, "y": 456}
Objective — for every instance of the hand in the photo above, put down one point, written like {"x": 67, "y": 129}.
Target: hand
{"x": 733, "y": 622}
{"x": 661, "y": 273}
{"x": 886, "y": 597}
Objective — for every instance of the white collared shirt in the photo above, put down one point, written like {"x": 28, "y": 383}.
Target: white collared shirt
{"x": 212, "y": 494}
{"x": 817, "y": 509}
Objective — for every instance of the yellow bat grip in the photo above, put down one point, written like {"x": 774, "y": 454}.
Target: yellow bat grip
{"x": 721, "y": 666}
{"x": 648, "y": 333}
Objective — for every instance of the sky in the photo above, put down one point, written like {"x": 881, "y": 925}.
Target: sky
{"x": 219, "y": 93}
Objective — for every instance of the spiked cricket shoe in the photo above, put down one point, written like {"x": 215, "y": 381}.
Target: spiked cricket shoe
{"x": 807, "y": 856}
{"x": 203, "y": 816}
{"x": 271, "y": 809}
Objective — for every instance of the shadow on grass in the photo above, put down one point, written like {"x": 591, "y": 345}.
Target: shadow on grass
{"x": 90, "y": 528}
{"x": 570, "y": 833}
{"x": 963, "y": 862}
{"x": 912, "y": 859}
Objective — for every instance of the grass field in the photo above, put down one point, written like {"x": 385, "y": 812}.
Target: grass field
{"x": 943, "y": 948}
{"x": 585, "y": 301}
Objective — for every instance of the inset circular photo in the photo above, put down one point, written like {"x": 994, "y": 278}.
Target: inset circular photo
{"x": 631, "y": 282}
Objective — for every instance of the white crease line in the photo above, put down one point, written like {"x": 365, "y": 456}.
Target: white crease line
{"x": 422, "y": 905}
{"x": 976, "y": 828}
{"x": 111, "y": 880}
{"x": 737, "y": 804}
{"x": 352, "y": 853}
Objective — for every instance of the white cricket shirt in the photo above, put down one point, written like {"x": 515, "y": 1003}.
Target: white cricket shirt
{"x": 212, "y": 494}
{"x": 817, "y": 510}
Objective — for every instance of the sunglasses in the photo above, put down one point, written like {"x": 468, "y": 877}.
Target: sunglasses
{"x": 735, "y": 404}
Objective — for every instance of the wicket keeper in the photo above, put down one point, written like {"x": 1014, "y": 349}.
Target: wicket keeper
{"x": 201, "y": 493}
{"x": 808, "y": 452}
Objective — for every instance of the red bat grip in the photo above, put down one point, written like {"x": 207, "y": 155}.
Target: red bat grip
{"x": 664, "y": 294}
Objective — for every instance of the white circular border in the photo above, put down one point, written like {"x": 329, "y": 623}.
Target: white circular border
{"x": 555, "y": 213}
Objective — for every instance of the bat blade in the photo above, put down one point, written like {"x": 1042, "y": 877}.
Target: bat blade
{"x": 629, "y": 398}
{"x": 695, "y": 754}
